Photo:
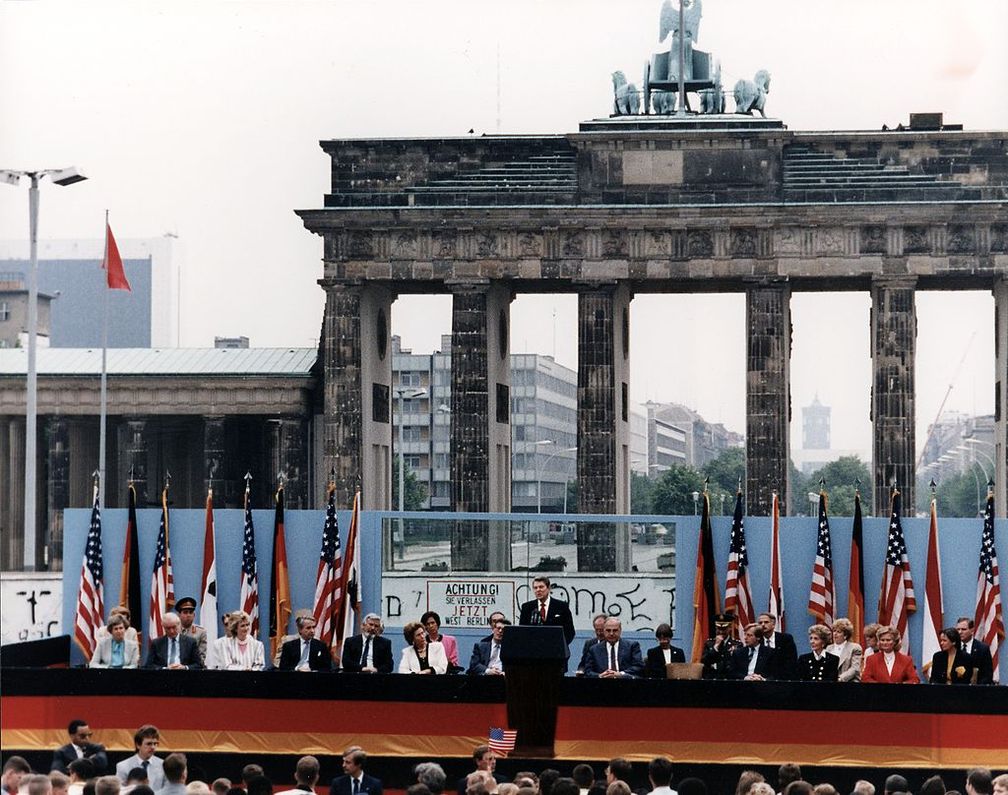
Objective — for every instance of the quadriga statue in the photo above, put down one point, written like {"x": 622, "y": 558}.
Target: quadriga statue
{"x": 750, "y": 95}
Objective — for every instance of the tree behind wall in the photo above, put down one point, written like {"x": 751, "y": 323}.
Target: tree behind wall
{"x": 414, "y": 492}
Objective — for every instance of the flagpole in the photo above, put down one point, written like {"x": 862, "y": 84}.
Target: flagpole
{"x": 104, "y": 379}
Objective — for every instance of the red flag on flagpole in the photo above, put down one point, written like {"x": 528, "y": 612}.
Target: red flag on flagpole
{"x": 112, "y": 263}
{"x": 933, "y": 610}
{"x": 855, "y": 583}
{"x": 706, "y": 601}
{"x": 776, "y": 604}
{"x": 208, "y": 589}
{"x": 350, "y": 582}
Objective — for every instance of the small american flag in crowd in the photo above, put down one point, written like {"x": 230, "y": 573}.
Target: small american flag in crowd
{"x": 989, "y": 621}
{"x": 897, "y": 600}
{"x": 90, "y": 602}
{"x": 502, "y": 741}
{"x": 822, "y": 595}
{"x": 328, "y": 593}
{"x": 248, "y": 598}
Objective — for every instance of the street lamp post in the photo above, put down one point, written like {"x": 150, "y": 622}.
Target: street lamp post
{"x": 540, "y": 443}
{"x": 696, "y": 498}
{"x": 59, "y": 176}
{"x": 404, "y": 394}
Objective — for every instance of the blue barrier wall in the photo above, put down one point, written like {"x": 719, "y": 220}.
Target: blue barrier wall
{"x": 959, "y": 543}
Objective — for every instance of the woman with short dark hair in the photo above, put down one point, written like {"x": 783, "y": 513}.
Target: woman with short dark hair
{"x": 950, "y": 665}
{"x": 661, "y": 655}
{"x": 432, "y": 623}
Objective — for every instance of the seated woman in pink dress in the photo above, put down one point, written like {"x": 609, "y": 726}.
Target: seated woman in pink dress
{"x": 432, "y": 623}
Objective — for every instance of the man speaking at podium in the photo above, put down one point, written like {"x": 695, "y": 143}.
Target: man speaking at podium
{"x": 544, "y": 610}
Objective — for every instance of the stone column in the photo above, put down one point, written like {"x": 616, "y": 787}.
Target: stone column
{"x": 481, "y": 422}
{"x": 6, "y": 523}
{"x": 288, "y": 441}
{"x": 603, "y": 427}
{"x": 768, "y": 395}
{"x": 14, "y": 546}
{"x": 214, "y": 472}
{"x": 82, "y": 443}
{"x": 893, "y": 351}
{"x": 1001, "y": 397}
{"x": 50, "y": 552}
{"x": 134, "y": 458}
{"x": 357, "y": 367}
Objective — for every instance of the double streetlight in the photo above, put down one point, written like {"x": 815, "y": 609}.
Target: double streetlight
{"x": 59, "y": 176}
{"x": 539, "y": 469}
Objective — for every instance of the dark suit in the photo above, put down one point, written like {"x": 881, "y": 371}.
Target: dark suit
{"x": 480, "y": 659}
{"x": 370, "y": 785}
{"x": 784, "y": 663}
{"x": 558, "y": 614}
{"x": 717, "y": 661}
{"x": 939, "y": 668}
{"x": 764, "y": 662}
{"x": 980, "y": 656}
{"x": 628, "y": 658}
{"x": 319, "y": 658}
{"x": 584, "y": 652}
{"x": 654, "y": 668}
{"x": 381, "y": 656}
{"x": 66, "y": 754}
{"x": 812, "y": 670}
{"x": 157, "y": 655}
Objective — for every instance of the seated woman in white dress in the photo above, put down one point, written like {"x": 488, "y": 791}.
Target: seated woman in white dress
{"x": 115, "y": 650}
{"x": 850, "y": 653}
{"x": 238, "y": 650}
{"x": 421, "y": 656}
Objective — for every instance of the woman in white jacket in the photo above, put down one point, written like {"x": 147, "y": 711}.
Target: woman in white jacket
{"x": 421, "y": 656}
{"x": 238, "y": 651}
{"x": 850, "y": 653}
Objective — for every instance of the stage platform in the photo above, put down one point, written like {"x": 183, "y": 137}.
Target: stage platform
{"x": 418, "y": 717}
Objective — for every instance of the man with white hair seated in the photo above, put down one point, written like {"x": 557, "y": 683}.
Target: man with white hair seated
{"x": 173, "y": 650}
{"x": 369, "y": 652}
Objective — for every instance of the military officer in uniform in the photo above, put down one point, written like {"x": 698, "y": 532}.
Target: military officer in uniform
{"x": 717, "y": 651}
{"x": 186, "y": 609}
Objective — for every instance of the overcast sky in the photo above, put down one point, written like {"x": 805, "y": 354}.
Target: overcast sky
{"x": 202, "y": 119}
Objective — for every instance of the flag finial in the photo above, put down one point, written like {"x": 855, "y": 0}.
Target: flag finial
{"x": 822, "y": 484}
{"x": 934, "y": 487}
{"x": 167, "y": 479}
{"x": 248, "y": 480}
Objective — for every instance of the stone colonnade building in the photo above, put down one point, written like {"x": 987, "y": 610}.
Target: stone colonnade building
{"x": 631, "y": 205}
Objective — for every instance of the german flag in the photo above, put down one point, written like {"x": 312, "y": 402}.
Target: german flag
{"x": 706, "y": 601}
{"x": 855, "y": 584}
{"x": 280, "y": 598}
{"x": 129, "y": 584}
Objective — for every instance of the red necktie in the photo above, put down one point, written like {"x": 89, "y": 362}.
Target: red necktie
{"x": 542, "y": 612}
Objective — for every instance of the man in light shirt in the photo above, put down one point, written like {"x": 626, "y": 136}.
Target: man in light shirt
{"x": 306, "y": 774}
{"x": 660, "y": 775}
{"x": 304, "y": 653}
{"x": 615, "y": 658}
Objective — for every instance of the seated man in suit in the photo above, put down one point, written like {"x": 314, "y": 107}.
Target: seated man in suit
{"x": 662, "y": 654}
{"x": 752, "y": 661}
{"x": 80, "y": 747}
{"x": 598, "y": 624}
{"x": 717, "y": 651}
{"x": 305, "y": 653}
{"x": 369, "y": 652}
{"x": 173, "y": 651}
{"x": 354, "y": 780}
{"x": 145, "y": 740}
{"x": 544, "y": 610}
{"x": 785, "y": 659}
{"x": 979, "y": 653}
{"x": 614, "y": 658}
{"x": 485, "y": 658}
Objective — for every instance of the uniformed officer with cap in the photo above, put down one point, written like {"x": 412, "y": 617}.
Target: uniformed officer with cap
{"x": 186, "y": 609}
{"x": 717, "y": 651}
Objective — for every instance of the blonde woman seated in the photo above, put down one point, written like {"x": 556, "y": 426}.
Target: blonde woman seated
{"x": 238, "y": 651}
{"x": 115, "y": 650}
{"x": 421, "y": 656}
{"x": 131, "y": 633}
{"x": 850, "y": 653}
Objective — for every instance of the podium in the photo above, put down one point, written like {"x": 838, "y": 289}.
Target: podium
{"x": 535, "y": 660}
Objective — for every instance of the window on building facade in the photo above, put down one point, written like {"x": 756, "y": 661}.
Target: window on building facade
{"x": 4, "y": 311}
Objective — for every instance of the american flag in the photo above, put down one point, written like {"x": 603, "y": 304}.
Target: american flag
{"x": 248, "y": 597}
{"x": 90, "y": 601}
{"x": 162, "y": 592}
{"x": 501, "y": 741}
{"x": 208, "y": 590}
{"x": 989, "y": 621}
{"x": 738, "y": 595}
{"x": 822, "y": 595}
{"x": 897, "y": 600}
{"x": 328, "y": 593}
{"x": 776, "y": 602}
